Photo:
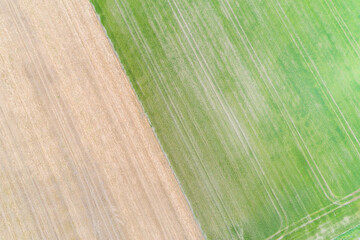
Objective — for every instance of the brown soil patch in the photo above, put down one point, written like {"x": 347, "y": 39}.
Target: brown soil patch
{"x": 78, "y": 159}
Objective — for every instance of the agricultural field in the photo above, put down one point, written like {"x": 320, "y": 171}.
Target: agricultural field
{"x": 351, "y": 234}
{"x": 78, "y": 158}
{"x": 256, "y": 105}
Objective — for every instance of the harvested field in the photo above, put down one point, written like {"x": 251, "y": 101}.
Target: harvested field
{"x": 78, "y": 159}
{"x": 256, "y": 104}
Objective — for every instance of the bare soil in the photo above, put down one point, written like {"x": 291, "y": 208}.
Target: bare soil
{"x": 78, "y": 158}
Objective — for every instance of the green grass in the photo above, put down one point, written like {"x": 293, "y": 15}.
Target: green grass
{"x": 352, "y": 234}
{"x": 255, "y": 103}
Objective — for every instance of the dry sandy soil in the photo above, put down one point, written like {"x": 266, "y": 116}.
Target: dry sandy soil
{"x": 78, "y": 159}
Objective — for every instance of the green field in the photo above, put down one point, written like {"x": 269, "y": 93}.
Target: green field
{"x": 255, "y": 103}
{"x": 352, "y": 234}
